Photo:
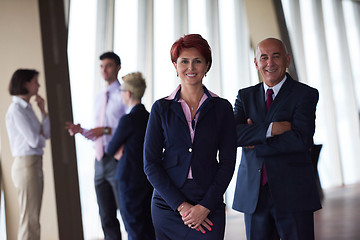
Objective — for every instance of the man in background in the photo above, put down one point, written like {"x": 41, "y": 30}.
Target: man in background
{"x": 109, "y": 108}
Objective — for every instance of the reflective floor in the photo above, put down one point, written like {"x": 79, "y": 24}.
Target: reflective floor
{"x": 339, "y": 219}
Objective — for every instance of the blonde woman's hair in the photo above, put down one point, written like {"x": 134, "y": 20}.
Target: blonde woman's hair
{"x": 135, "y": 83}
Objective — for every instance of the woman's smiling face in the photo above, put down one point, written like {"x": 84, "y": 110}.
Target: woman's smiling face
{"x": 191, "y": 66}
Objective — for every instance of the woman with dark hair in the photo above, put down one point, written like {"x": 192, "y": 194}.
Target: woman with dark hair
{"x": 190, "y": 150}
{"x": 27, "y": 137}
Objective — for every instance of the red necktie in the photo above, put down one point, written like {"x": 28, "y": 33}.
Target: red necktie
{"x": 99, "y": 142}
{"x": 269, "y": 100}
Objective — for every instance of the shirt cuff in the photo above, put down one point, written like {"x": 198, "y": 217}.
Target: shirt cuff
{"x": 268, "y": 132}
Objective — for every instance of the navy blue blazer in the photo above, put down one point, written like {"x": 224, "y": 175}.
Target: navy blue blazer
{"x": 286, "y": 157}
{"x": 130, "y": 132}
{"x": 169, "y": 152}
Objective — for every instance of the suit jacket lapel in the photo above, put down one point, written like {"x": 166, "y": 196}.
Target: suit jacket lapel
{"x": 206, "y": 108}
{"x": 260, "y": 101}
{"x": 177, "y": 109}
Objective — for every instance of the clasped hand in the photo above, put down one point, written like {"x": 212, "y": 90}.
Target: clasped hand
{"x": 195, "y": 217}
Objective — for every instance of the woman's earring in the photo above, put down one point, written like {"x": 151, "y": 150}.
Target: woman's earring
{"x": 177, "y": 74}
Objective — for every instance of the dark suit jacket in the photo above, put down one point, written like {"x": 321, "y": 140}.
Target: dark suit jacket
{"x": 168, "y": 151}
{"x": 287, "y": 157}
{"x": 130, "y": 132}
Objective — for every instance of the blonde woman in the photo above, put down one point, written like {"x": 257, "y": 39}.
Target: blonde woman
{"x": 133, "y": 187}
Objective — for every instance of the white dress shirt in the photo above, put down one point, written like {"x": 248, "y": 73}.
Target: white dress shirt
{"x": 27, "y": 134}
{"x": 115, "y": 109}
{"x": 276, "y": 90}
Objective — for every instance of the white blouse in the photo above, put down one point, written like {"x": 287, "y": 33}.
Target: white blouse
{"x": 26, "y": 134}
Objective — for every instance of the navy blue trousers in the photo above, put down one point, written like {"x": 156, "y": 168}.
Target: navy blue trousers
{"x": 135, "y": 205}
{"x": 169, "y": 225}
{"x": 266, "y": 223}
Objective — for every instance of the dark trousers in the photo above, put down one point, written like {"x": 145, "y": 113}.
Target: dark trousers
{"x": 136, "y": 212}
{"x": 266, "y": 223}
{"x": 107, "y": 197}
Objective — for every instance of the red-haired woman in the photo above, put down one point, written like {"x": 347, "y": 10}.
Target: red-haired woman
{"x": 190, "y": 150}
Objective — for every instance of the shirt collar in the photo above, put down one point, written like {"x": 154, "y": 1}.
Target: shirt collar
{"x": 275, "y": 88}
{"x": 175, "y": 95}
{"x": 113, "y": 86}
{"x": 129, "y": 109}
{"x": 20, "y": 101}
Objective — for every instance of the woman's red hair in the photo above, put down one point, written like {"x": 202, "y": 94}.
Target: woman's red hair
{"x": 191, "y": 41}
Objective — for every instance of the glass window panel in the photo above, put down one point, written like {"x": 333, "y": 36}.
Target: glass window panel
{"x": 342, "y": 93}
{"x": 81, "y": 52}
{"x": 352, "y": 22}
{"x": 197, "y": 17}
{"x": 314, "y": 62}
{"x": 325, "y": 47}
{"x": 228, "y": 65}
{"x": 228, "y": 48}
{"x": 126, "y": 35}
{"x": 164, "y": 72}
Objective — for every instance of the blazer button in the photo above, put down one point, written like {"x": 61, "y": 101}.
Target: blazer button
{"x": 259, "y": 170}
{"x": 190, "y": 149}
